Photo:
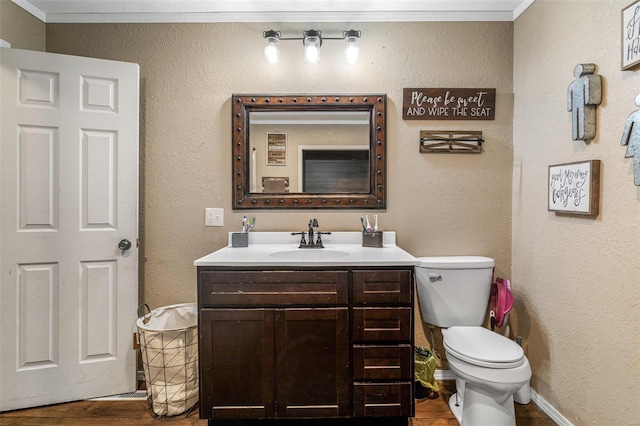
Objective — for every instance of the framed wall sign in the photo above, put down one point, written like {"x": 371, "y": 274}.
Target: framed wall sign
{"x": 574, "y": 188}
{"x": 631, "y": 35}
{"x": 276, "y": 149}
{"x": 448, "y": 104}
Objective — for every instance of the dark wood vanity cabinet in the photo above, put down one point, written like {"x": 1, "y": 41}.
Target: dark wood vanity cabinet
{"x": 382, "y": 343}
{"x": 305, "y": 343}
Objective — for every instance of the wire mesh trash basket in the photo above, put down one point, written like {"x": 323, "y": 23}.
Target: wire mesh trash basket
{"x": 169, "y": 347}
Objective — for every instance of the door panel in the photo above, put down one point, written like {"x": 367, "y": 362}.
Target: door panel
{"x": 98, "y": 163}
{"x": 38, "y": 157}
{"x": 236, "y": 363}
{"x": 68, "y": 195}
{"x": 37, "y": 309}
{"x": 98, "y": 311}
{"x": 312, "y": 362}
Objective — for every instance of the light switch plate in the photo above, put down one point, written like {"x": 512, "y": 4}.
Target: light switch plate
{"x": 213, "y": 217}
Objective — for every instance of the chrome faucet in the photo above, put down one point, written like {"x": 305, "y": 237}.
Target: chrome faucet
{"x": 313, "y": 223}
{"x": 310, "y": 243}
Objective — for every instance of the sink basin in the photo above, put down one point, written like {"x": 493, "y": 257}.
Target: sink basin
{"x": 310, "y": 254}
{"x": 280, "y": 249}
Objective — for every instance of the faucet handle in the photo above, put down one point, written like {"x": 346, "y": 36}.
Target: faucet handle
{"x": 319, "y": 240}
{"x": 303, "y": 240}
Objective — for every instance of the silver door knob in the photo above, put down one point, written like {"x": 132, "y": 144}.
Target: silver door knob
{"x": 124, "y": 244}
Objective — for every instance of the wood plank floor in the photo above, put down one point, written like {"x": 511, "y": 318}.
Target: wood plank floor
{"x": 429, "y": 412}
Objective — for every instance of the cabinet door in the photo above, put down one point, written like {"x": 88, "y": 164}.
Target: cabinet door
{"x": 312, "y": 362}
{"x": 236, "y": 363}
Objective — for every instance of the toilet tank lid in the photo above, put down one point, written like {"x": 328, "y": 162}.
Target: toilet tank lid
{"x": 456, "y": 262}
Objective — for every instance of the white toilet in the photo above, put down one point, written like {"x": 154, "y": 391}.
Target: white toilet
{"x": 489, "y": 368}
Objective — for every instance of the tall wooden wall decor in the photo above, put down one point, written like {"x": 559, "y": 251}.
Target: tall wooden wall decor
{"x": 583, "y": 96}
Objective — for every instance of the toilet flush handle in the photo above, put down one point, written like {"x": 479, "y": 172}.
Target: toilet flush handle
{"x": 435, "y": 277}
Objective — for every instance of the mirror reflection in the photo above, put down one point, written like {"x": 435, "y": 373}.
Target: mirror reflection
{"x": 309, "y": 151}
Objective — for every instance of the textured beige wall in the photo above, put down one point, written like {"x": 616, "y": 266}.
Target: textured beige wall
{"x": 578, "y": 280}
{"x": 575, "y": 279}
{"x": 438, "y": 204}
{"x": 20, "y": 28}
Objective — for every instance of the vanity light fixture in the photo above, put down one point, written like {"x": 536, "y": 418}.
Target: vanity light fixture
{"x": 271, "y": 50}
{"x": 312, "y": 40}
{"x": 351, "y": 48}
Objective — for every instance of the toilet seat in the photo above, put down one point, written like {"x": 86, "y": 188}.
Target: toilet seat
{"x": 517, "y": 376}
{"x": 482, "y": 347}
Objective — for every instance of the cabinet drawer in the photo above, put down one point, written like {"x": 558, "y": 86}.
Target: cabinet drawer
{"x": 382, "y": 324}
{"x": 382, "y": 286}
{"x": 373, "y": 362}
{"x": 384, "y": 400}
{"x": 264, "y": 288}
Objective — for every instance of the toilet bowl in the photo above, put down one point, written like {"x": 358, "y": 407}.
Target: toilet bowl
{"x": 489, "y": 368}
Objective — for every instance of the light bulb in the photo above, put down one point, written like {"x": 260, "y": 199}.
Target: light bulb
{"x": 351, "y": 53}
{"x": 272, "y": 53}
{"x": 351, "y": 48}
{"x": 312, "y": 54}
{"x": 271, "y": 50}
{"x": 312, "y": 43}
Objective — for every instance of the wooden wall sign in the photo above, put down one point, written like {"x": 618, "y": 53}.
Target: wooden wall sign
{"x": 574, "y": 188}
{"x": 448, "y": 104}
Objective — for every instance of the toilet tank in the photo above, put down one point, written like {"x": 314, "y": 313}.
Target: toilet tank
{"x": 454, "y": 290}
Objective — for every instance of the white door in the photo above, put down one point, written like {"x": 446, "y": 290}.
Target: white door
{"x": 68, "y": 196}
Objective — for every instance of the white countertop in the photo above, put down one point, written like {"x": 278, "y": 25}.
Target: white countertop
{"x": 281, "y": 249}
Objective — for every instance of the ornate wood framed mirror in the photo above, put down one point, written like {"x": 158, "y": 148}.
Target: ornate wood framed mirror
{"x": 309, "y": 151}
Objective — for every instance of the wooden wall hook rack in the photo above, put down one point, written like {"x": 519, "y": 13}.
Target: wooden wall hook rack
{"x": 461, "y": 142}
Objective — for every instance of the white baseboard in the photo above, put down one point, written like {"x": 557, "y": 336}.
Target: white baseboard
{"x": 546, "y": 408}
{"x": 549, "y": 410}
{"x": 444, "y": 375}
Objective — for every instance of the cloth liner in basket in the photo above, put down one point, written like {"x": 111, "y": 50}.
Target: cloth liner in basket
{"x": 169, "y": 348}
{"x": 425, "y": 368}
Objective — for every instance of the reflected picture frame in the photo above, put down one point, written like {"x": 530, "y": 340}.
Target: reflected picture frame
{"x": 276, "y": 149}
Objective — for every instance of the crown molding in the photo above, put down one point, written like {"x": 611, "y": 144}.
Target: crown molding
{"x": 165, "y": 11}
